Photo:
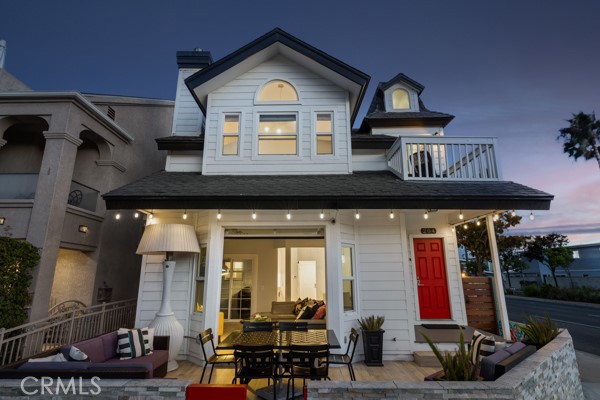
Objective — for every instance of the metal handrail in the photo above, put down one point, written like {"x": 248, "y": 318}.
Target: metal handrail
{"x": 63, "y": 328}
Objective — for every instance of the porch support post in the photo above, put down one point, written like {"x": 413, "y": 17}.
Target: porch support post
{"x": 498, "y": 286}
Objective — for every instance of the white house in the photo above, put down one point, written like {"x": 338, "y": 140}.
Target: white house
{"x": 288, "y": 201}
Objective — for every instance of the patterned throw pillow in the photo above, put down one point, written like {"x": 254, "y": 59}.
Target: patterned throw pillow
{"x": 132, "y": 343}
{"x": 482, "y": 346}
{"x": 305, "y": 313}
{"x": 321, "y": 311}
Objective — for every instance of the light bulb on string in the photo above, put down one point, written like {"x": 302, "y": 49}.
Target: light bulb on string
{"x": 391, "y": 214}
{"x": 184, "y": 216}
{"x": 426, "y": 215}
{"x": 253, "y": 214}
{"x": 356, "y": 215}
{"x": 219, "y": 215}
{"x": 531, "y": 216}
{"x": 322, "y": 215}
{"x": 288, "y": 215}
{"x": 461, "y": 216}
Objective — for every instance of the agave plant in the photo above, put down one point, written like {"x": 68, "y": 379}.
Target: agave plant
{"x": 457, "y": 366}
{"x": 371, "y": 323}
{"x": 540, "y": 332}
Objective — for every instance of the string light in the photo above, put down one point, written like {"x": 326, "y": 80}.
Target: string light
{"x": 322, "y": 215}
{"x": 288, "y": 215}
{"x": 391, "y": 214}
{"x": 426, "y": 215}
{"x": 465, "y": 227}
{"x": 219, "y": 215}
{"x": 461, "y": 216}
{"x": 531, "y": 216}
{"x": 253, "y": 214}
{"x": 118, "y": 216}
{"x": 478, "y": 222}
{"x": 136, "y": 215}
{"x": 513, "y": 213}
{"x": 357, "y": 215}
{"x": 151, "y": 214}
{"x": 496, "y": 217}
{"x": 453, "y": 230}
{"x": 185, "y": 214}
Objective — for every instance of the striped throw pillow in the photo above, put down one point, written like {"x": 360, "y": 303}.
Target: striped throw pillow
{"x": 482, "y": 346}
{"x": 132, "y": 343}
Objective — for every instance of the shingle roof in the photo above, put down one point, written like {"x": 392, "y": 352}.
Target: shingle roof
{"x": 370, "y": 190}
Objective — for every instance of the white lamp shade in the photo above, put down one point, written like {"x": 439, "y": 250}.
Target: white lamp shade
{"x": 163, "y": 238}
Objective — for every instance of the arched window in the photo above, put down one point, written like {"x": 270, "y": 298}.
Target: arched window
{"x": 400, "y": 100}
{"x": 278, "y": 90}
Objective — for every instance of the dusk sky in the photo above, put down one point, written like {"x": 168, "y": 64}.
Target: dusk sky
{"x": 512, "y": 69}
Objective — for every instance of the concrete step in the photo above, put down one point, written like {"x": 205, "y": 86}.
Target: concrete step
{"x": 426, "y": 359}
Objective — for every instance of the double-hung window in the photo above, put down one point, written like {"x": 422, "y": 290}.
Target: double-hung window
{"x": 277, "y": 134}
{"x": 348, "y": 281}
{"x": 231, "y": 135}
{"x": 324, "y": 130}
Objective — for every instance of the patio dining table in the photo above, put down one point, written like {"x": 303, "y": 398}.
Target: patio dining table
{"x": 281, "y": 341}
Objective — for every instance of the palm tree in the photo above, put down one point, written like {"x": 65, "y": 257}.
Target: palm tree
{"x": 582, "y": 137}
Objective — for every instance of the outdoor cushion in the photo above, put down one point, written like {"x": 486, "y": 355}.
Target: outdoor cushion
{"x": 55, "y": 366}
{"x": 150, "y": 362}
{"x": 482, "y": 346}
{"x": 77, "y": 355}
{"x": 515, "y": 347}
{"x": 132, "y": 343}
{"x": 488, "y": 364}
{"x": 283, "y": 307}
{"x": 59, "y": 357}
{"x": 92, "y": 347}
{"x": 109, "y": 342}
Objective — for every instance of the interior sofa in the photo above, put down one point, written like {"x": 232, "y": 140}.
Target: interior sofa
{"x": 103, "y": 362}
{"x": 284, "y": 311}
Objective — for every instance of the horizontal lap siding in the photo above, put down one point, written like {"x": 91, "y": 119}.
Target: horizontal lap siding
{"x": 382, "y": 286}
{"x": 184, "y": 161}
{"x": 316, "y": 94}
{"x": 187, "y": 118}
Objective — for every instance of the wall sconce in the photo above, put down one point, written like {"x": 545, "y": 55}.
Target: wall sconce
{"x": 83, "y": 229}
{"x": 2, "y": 220}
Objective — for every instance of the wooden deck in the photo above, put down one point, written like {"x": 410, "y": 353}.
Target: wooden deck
{"x": 391, "y": 371}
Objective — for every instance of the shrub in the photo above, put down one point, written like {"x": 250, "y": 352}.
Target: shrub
{"x": 539, "y": 332}
{"x": 531, "y": 291}
{"x": 17, "y": 259}
{"x": 458, "y": 366}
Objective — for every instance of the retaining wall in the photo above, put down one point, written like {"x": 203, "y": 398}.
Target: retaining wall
{"x": 549, "y": 373}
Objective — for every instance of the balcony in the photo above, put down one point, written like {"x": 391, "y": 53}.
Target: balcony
{"x": 83, "y": 196}
{"x": 444, "y": 158}
{"x": 18, "y": 186}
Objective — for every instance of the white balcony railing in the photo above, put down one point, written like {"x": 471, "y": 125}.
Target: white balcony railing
{"x": 444, "y": 158}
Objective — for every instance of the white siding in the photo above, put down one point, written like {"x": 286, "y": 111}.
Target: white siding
{"x": 409, "y": 131}
{"x": 316, "y": 94}
{"x": 184, "y": 161}
{"x": 369, "y": 160}
{"x": 187, "y": 117}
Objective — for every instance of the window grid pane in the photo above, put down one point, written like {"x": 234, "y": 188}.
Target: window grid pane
{"x": 348, "y": 295}
{"x": 324, "y": 144}
{"x": 277, "y": 134}
{"x": 324, "y": 124}
{"x": 230, "y": 145}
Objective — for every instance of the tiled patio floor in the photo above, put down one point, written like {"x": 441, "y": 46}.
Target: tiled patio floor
{"x": 392, "y": 370}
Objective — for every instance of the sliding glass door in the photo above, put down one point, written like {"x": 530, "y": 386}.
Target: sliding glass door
{"x": 236, "y": 287}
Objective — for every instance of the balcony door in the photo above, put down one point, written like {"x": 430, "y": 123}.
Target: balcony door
{"x": 237, "y": 286}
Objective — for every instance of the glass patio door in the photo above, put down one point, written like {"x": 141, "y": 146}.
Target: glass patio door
{"x": 236, "y": 288}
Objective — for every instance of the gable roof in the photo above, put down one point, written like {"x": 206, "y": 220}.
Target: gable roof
{"x": 278, "y": 41}
{"x": 366, "y": 190}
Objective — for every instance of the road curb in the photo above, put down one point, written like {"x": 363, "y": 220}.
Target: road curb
{"x": 574, "y": 303}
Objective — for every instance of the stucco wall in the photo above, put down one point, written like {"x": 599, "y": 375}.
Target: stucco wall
{"x": 73, "y": 278}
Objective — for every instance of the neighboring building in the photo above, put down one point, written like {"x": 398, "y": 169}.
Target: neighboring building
{"x": 585, "y": 270}
{"x": 58, "y": 152}
{"x": 288, "y": 202}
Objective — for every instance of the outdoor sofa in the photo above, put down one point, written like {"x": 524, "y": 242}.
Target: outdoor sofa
{"x": 103, "y": 362}
{"x": 285, "y": 311}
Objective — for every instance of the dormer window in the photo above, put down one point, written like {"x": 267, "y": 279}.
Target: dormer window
{"x": 277, "y": 134}
{"x": 400, "y": 100}
{"x": 278, "y": 90}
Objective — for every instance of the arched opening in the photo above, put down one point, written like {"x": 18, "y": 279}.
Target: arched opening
{"x": 278, "y": 90}
{"x": 83, "y": 191}
{"x": 400, "y": 100}
{"x": 21, "y": 156}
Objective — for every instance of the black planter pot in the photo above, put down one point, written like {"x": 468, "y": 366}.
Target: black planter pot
{"x": 373, "y": 347}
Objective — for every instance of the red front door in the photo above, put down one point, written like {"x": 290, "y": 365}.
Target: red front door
{"x": 431, "y": 279}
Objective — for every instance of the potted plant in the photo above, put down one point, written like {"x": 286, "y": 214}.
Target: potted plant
{"x": 539, "y": 332}
{"x": 372, "y": 339}
{"x": 455, "y": 367}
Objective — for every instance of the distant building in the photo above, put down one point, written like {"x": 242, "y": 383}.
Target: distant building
{"x": 59, "y": 151}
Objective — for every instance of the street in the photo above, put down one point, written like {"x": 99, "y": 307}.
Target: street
{"x": 582, "y": 320}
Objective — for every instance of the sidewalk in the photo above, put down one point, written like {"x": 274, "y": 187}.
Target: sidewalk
{"x": 589, "y": 371}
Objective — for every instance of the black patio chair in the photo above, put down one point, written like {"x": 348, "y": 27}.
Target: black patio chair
{"x": 258, "y": 326}
{"x": 204, "y": 338}
{"x": 308, "y": 362}
{"x": 346, "y": 358}
{"x": 254, "y": 362}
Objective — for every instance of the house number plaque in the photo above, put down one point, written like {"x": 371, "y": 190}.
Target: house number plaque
{"x": 428, "y": 231}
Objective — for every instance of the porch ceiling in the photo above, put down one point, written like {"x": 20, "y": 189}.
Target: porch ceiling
{"x": 364, "y": 190}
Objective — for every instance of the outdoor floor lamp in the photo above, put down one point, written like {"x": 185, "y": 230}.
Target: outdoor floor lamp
{"x": 168, "y": 238}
